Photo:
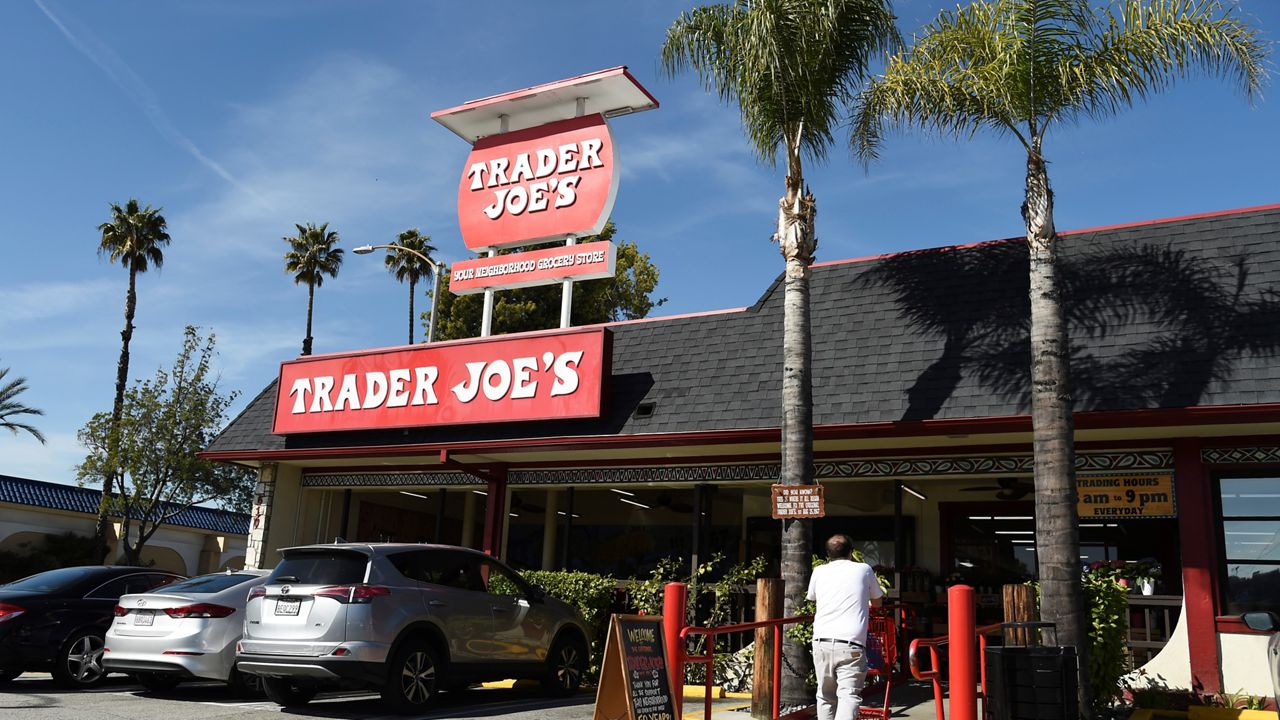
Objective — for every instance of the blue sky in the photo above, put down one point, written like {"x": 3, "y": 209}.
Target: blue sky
{"x": 242, "y": 117}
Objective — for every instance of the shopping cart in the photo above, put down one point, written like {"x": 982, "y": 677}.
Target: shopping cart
{"x": 882, "y": 655}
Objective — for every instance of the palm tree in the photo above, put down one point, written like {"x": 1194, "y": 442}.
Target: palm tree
{"x": 10, "y": 407}
{"x": 133, "y": 237}
{"x": 791, "y": 66}
{"x": 1018, "y": 68}
{"x": 408, "y": 266}
{"x": 311, "y": 256}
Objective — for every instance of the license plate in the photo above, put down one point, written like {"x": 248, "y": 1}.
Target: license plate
{"x": 288, "y": 606}
{"x": 144, "y": 617}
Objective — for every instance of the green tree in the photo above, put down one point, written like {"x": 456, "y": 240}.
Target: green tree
{"x": 310, "y": 258}
{"x": 626, "y": 296}
{"x": 1019, "y": 68}
{"x": 407, "y": 266}
{"x": 792, "y": 66}
{"x": 11, "y": 408}
{"x": 165, "y": 421}
{"x": 134, "y": 237}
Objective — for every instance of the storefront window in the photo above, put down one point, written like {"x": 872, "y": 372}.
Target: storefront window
{"x": 1251, "y": 542}
{"x": 987, "y": 545}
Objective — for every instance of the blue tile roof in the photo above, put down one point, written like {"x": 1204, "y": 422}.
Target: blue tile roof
{"x": 22, "y": 491}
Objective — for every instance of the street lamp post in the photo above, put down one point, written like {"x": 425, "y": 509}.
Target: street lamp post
{"x": 435, "y": 279}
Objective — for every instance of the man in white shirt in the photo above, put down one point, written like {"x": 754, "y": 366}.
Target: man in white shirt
{"x": 844, "y": 591}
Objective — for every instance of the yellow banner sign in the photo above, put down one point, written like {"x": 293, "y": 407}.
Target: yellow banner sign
{"x": 1117, "y": 497}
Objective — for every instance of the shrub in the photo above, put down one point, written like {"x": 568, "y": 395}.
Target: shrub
{"x": 1106, "y": 602}
{"x": 49, "y": 553}
{"x": 591, "y": 594}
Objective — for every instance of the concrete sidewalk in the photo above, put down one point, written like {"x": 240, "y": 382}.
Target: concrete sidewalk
{"x": 911, "y": 700}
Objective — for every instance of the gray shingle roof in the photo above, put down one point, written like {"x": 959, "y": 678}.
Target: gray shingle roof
{"x": 1177, "y": 313}
{"x": 21, "y": 491}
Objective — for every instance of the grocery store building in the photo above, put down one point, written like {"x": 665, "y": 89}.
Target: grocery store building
{"x": 922, "y": 433}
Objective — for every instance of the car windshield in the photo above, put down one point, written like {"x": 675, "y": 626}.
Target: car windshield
{"x": 320, "y": 567}
{"x": 51, "y": 581}
{"x": 216, "y": 582}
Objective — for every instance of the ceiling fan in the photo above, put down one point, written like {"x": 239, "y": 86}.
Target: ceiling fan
{"x": 1006, "y": 488}
{"x": 518, "y": 505}
{"x": 667, "y": 501}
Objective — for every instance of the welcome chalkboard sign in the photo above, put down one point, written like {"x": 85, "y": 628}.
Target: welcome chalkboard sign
{"x": 633, "y": 679}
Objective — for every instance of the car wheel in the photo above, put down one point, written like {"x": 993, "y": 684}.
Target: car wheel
{"x": 156, "y": 682}
{"x": 566, "y": 666}
{"x": 79, "y": 663}
{"x": 244, "y": 685}
{"x": 7, "y": 675}
{"x": 413, "y": 679}
{"x": 287, "y": 692}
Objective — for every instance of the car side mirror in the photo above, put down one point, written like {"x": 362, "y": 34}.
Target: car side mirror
{"x": 1261, "y": 621}
{"x": 538, "y": 593}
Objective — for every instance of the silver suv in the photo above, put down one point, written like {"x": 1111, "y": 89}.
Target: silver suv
{"x": 406, "y": 620}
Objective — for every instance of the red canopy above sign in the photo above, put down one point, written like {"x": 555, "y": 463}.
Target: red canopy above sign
{"x": 610, "y": 92}
{"x": 535, "y": 376}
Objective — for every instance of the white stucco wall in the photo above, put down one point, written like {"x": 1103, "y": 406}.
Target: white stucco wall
{"x": 1245, "y": 664}
{"x": 186, "y": 542}
{"x": 1171, "y": 667}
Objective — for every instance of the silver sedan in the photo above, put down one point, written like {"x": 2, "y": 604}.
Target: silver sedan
{"x": 186, "y": 630}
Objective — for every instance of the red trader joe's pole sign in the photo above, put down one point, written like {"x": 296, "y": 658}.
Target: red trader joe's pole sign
{"x": 540, "y": 184}
{"x": 535, "y": 376}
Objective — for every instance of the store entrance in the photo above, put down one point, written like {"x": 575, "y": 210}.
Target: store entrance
{"x": 990, "y": 544}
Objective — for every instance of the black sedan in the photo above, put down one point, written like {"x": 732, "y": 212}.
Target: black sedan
{"x": 55, "y": 621}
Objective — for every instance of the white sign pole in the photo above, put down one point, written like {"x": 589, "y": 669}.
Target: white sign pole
{"x": 486, "y": 317}
{"x": 566, "y": 287}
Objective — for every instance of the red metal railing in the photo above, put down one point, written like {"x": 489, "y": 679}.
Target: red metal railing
{"x": 677, "y": 633}
{"x": 934, "y": 673}
{"x": 709, "y": 658}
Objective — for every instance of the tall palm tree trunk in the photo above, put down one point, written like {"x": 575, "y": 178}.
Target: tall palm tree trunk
{"x": 796, "y": 239}
{"x": 411, "y": 284}
{"x": 117, "y": 410}
{"x": 311, "y": 300}
{"x": 1053, "y": 428}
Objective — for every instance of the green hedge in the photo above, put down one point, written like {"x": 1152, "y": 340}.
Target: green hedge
{"x": 591, "y": 594}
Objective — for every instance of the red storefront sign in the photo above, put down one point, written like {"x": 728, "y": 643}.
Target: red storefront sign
{"x": 531, "y": 377}
{"x": 588, "y": 261}
{"x": 540, "y": 184}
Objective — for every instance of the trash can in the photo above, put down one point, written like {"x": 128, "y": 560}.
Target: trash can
{"x": 1031, "y": 681}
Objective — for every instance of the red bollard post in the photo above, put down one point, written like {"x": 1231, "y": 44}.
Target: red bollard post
{"x": 675, "y": 597}
{"x": 962, "y": 631}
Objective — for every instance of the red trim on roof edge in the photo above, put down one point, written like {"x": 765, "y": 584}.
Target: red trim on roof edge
{"x": 1081, "y": 231}
{"x": 1209, "y": 414}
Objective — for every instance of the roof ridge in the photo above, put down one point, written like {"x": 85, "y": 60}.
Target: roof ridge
{"x": 1078, "y": 231}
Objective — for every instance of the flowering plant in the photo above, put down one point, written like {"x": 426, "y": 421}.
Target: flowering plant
{"x": 1127, "y": 572}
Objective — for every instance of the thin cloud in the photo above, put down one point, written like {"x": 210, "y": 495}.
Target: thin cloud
{"x": 141, "y": 94}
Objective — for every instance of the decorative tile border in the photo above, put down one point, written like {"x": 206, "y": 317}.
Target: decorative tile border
{"x": 390, "y": 479}
{"x": 870, "y": 468}
{"x": 622, "y": 475}
{"x": 1269, "y": 454}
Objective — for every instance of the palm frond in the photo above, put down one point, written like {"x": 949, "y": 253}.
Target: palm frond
{"x": 790, "y": 65}
{"x": 312, "y": 254}
{"x": 10, "y": 407}
{"x": 1143, "y": 47}
{"x": 1016, "y": 66}
{"x": 406, "y": 266}
{"x": 135, "y": 236}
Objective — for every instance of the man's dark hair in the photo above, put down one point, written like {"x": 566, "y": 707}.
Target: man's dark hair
{"x": 839, "y": 547}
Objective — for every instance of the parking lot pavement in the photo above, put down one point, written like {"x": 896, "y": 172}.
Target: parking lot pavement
{"x": 35, "y": 697}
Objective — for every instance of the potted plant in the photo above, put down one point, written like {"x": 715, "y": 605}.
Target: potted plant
{"x": 1144, "y": 574}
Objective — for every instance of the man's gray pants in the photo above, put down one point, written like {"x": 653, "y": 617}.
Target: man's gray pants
{"x": 841, "y": 669}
